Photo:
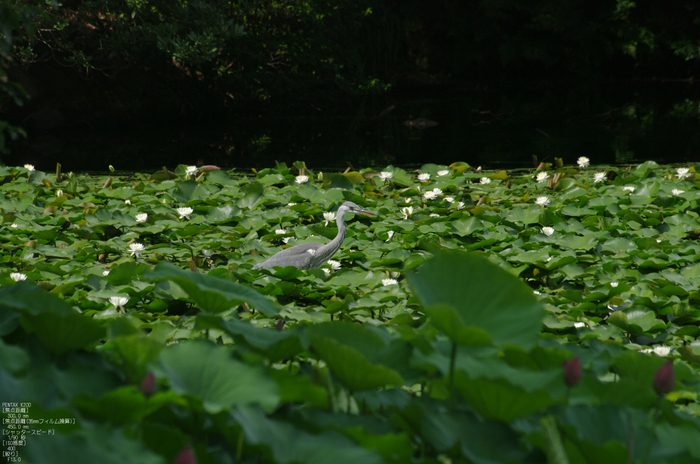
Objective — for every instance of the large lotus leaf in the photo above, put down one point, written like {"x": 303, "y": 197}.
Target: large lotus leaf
{"x": 212, "y": 294}
{"x": 483, "y": 294}
{"x": 447, "y": 319}
{"x": 208, "y": 372}
{"x": 137, "y": 351}
{"x": 680, "y": 437}
{"x": 300, "y": 389}
{"x": 64, "y": 333}
{"x": 13, "y": 358}
{"x": 30, "y": 299}
{"x": 637, "y": 366}
{"x": 482, "y": 441}
{"x": 500, "y": 399}
{"x": 276, "y": 345}
{"x": 368, "y": 342}
{"x": 352, "y": 367}
{"x": 288, "y": 443}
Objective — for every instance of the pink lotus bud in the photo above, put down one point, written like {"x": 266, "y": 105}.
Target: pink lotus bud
{"x": 572, "y": 372}
{"x": 186, "y": 456}
{"x": 665, "y": 379}
{"x": 209, "y": 167}
{"x": 148, "y": 386}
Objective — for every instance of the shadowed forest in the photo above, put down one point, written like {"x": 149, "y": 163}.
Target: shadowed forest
{"x": 142, "y": 67}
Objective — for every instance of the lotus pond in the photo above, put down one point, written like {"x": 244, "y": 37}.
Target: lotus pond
{"x": 549, "y": 315}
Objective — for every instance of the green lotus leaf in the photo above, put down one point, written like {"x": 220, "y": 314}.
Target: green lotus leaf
{"x": 488, "y": 297}
{"x": 209, "y": 373}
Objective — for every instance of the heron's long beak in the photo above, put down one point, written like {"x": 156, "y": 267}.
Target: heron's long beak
{"x": 364, "y": 211}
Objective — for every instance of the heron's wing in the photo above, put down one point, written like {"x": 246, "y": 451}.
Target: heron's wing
{"x": 297, "y": 256}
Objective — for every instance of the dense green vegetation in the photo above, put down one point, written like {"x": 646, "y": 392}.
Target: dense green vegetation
{"x": 482, "y": 317}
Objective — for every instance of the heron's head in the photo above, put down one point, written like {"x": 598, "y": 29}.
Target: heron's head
{"x": 350, "y": 207}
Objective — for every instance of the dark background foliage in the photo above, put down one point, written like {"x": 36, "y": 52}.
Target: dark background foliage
{"x": 109, "y": 61}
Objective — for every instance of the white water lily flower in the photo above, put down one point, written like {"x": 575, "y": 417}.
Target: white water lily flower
{"x": 280, "y": 231}
{"x": 190, "y": 171}
{"x": 387, "y": 282}
{"x": 437, "y": 191}
{"x": 677, "y": 191}
{"x": 390, "y": 233}
{"x": 542, "y": 201}
{"x": 105, "y": 273}
{"x": 548, "y": 231}
{"x": 682, "y": 173}
{"x": 599, "y": 177}
{"x": 185, "y": 212}
{"x": 434, "y": 215}
{"x": 29, "y": 167}
{"x": 119, "y": 302}
{"x": 29, "y": 256}
{"x": 460, "y": 205}
{"x": 485, "y": 180}
{"x": 285, "y": 240}
{"x": 579, "y": 325}
{"x": 326, "y": 270}
{"x": 386, "y": 175}
{"x": 424, "y": 177}
{"x": 407, "y": 211}
{"x": 14, "y": 226}
{"x": 444, "y": 172}
{"x": 136, "y": 249}
{"x": 59, "y": 193}
{"x": 629, "y": 188}
{"x": 18, "y": 276}
{"x": 542, "y": 176}
{"x": 429, "y": 195}
{"x": 450, "y": 199}
{"x": 536, "y": 292}
{"x": 143, "y": 217}
{"x": 291, "y": 203}
{"x": 335, "y": 265}
{"x": 127, "y": 202}
{"x": 658, "y": 350}
{"x": 408, "y": 200}
{"x": 302, "y": 179}
{"x": 329, "y": 216}
{"x": 583, "y": 162}
{"x": 614, "y": 284}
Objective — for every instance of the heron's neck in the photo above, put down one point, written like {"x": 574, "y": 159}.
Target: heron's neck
{"x": 342, "y": 230}
{"x": 325, "y": 252}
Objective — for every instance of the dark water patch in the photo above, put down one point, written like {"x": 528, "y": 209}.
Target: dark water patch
{"x": 492, "y": 128}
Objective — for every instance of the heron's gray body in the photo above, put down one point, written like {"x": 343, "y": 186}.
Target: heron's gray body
{"x": 313, "y": 255}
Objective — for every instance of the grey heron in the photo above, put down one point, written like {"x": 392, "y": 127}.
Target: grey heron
{"x": 313, "y": 255}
